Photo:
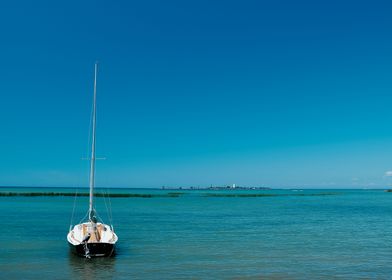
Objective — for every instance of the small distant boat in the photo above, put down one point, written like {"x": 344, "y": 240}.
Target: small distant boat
{"x": 92, "y": 238}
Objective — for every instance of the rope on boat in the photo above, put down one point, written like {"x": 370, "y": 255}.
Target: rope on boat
{"x": 85, "y": 246}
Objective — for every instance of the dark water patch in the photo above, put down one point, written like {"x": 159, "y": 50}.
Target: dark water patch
{"x": 265, "y": 194}
{"x": 112, "y": 195}
{"x": 176, "y": 193}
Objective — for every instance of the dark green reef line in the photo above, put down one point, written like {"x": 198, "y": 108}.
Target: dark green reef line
{"x": 87, "y": 194}
{"x": 266, "y": 195}
{"x": 172, "y": 194}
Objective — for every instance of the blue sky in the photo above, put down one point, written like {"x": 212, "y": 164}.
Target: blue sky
{"x": 193, "y": 93}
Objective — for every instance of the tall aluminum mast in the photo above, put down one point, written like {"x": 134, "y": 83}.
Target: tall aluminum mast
{"x": 92, "y": 159}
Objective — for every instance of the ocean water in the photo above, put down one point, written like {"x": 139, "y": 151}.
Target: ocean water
{"x": 346, "y": 234}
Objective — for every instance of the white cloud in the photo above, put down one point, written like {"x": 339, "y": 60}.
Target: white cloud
{"x": 388, "y": 173}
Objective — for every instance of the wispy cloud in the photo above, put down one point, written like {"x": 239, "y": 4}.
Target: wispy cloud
{"x": 388, "y": 173}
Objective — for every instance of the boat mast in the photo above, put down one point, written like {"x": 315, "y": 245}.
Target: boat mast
{"x": 92, "y": 159}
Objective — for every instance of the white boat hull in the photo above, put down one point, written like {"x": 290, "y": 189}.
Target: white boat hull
{"x": 92, "y": 240}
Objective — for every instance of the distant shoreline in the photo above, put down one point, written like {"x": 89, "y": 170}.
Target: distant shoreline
{"x": 216, "y": 188}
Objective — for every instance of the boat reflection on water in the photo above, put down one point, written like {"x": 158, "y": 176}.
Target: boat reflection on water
{"x": 94, "y": 268}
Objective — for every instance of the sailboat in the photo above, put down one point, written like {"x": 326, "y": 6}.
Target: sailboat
{"x": 92, "y": 238}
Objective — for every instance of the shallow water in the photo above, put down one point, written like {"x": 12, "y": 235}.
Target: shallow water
{"x": 344, "y": 235}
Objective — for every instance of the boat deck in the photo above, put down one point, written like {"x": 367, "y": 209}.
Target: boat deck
{"x": 95, "y": 234}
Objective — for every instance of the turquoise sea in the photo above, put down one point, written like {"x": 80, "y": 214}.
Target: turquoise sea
{"x": 204, "y": 234}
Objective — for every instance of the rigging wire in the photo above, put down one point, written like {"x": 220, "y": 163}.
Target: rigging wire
{"x": 73, "y": 210}
{"x": 107, "y": 209}
{"x": 90, "y": 130}
{"x": 84, "y": 218}
{"x": 110, "y": 213}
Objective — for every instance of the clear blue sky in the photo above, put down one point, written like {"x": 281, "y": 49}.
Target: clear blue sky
{"x": 276, "y": 93}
